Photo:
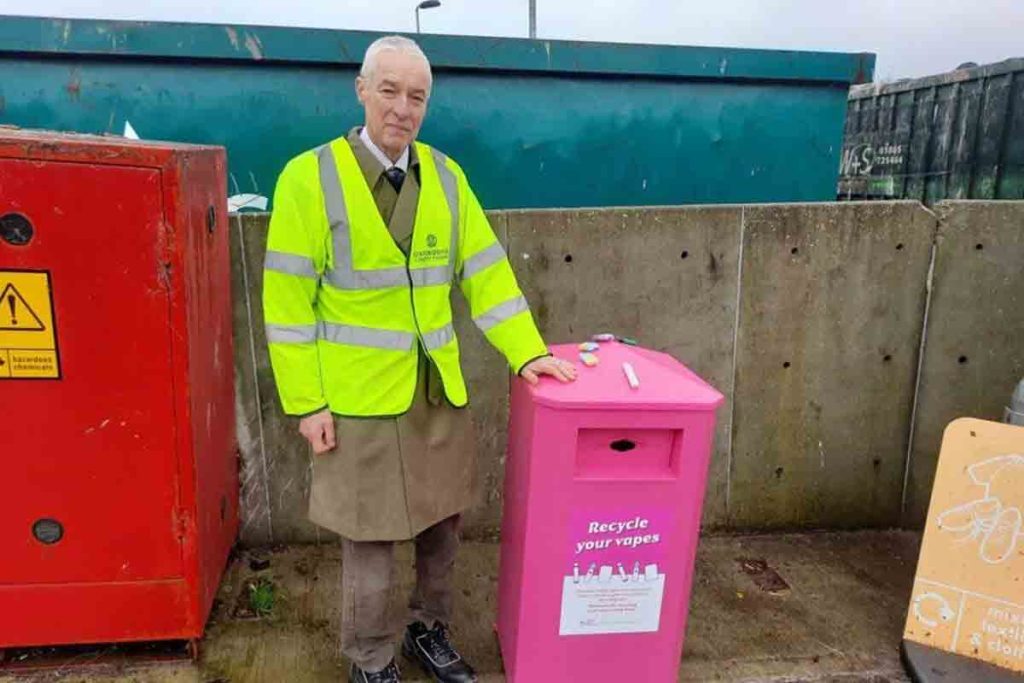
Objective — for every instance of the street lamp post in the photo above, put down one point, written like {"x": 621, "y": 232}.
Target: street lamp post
{"x": 426, "y": 4}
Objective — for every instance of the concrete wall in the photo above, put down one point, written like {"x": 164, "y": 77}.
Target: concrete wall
{"x": 831, "y": 304}
{"x": 809, "y": 317}
{"x": 974, "y": 345}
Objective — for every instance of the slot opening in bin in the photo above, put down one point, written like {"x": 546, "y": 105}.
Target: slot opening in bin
{"x": 625, "y": 453}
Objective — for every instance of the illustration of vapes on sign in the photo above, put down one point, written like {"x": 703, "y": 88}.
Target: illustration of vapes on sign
{"x": 614, "y": 580}
{"x": 991, "y": 521}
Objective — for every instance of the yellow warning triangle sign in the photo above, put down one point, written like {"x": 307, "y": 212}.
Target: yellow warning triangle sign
{"x": 16, "y": 314}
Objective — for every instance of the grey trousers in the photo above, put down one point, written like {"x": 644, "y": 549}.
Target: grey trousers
{"x": 367, "y": 574}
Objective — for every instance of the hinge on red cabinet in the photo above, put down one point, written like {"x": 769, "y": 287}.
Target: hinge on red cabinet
{"x": 180, "y": 523}
{"x": 164, "y": 274}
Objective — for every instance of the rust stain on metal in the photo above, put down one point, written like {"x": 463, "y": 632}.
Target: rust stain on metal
{"x": 254, "y": 46}
{"x": 62, "y": 145}
{"x": 862, "y": 71}
{"x": 232, "y": 36}
{"x": 764, "y": 577}
{"x": 90, "y": 660}
{"x": 74, "y": 88}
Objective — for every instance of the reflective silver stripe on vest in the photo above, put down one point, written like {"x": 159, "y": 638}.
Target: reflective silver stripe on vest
{"x": 451, "y": 192}
{"x": 438, "y": 338}
{"x": 330, "y": 184}
{"x": 501, "y": 313}
{"x": 426, "y": 277}
{"x": 343, "y": 274}
{"x": 477, "y": 262}
{"x": 354, "y": 335}
{"x": 365, "y": 279}
{"x": 291, "y": 334}
{"x": 291, "y": 264}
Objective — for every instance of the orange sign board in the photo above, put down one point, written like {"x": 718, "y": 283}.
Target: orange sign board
{"x": 968, "y": 595}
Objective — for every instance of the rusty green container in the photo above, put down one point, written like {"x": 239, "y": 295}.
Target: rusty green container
{"x": 535, "y": 123}
{"x": 957, "y": 135}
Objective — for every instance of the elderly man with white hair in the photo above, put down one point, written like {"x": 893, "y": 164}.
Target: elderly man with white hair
{"x": 368, "y": 234}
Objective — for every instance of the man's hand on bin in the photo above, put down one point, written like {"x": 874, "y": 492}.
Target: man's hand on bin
{"x": 562, "y": 370}
{"x": 318, "y": 429}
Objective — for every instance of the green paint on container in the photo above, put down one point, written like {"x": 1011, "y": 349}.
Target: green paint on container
{"x": 534, "y": 123}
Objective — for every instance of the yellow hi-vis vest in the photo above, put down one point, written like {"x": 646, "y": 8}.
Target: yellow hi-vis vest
{"x": 345, "y": 309}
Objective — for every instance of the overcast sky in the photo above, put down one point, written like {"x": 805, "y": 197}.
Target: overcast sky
{"x": 910, "y": 37}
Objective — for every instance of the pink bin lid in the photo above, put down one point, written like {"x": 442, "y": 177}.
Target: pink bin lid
{"x": 665, "y": 383}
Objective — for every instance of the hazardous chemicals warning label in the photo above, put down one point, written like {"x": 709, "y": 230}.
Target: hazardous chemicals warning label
{"x": 28, "y": 330}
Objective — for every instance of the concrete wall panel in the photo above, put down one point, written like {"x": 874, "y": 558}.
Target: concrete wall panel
{"x": 666, "y": 277}
{"x": 974, "y": 351}
{"x": 832, "y": 300}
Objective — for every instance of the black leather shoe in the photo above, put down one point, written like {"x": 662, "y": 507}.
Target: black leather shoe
{"x": 388, "y": 675}
{"x": 431, "y": 649}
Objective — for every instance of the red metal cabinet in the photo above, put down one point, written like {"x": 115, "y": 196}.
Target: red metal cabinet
{"x": 117, "y": 436}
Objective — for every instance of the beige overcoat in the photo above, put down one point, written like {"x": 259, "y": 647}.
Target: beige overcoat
{"x": 390, "y": 478}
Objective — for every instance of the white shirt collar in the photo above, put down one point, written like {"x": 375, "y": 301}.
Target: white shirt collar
{"x": 402, "y": 163}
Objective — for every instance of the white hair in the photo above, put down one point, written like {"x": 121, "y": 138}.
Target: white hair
{"x": 393, "y": 43}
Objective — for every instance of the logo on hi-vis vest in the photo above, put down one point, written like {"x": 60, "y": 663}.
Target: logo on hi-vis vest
{"x": 432, "y": 255}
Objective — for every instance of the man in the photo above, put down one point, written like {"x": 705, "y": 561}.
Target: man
{"x": 367, "y": 235}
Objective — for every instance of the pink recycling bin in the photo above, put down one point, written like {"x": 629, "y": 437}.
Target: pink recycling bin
{"x": 603, "y": 490}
